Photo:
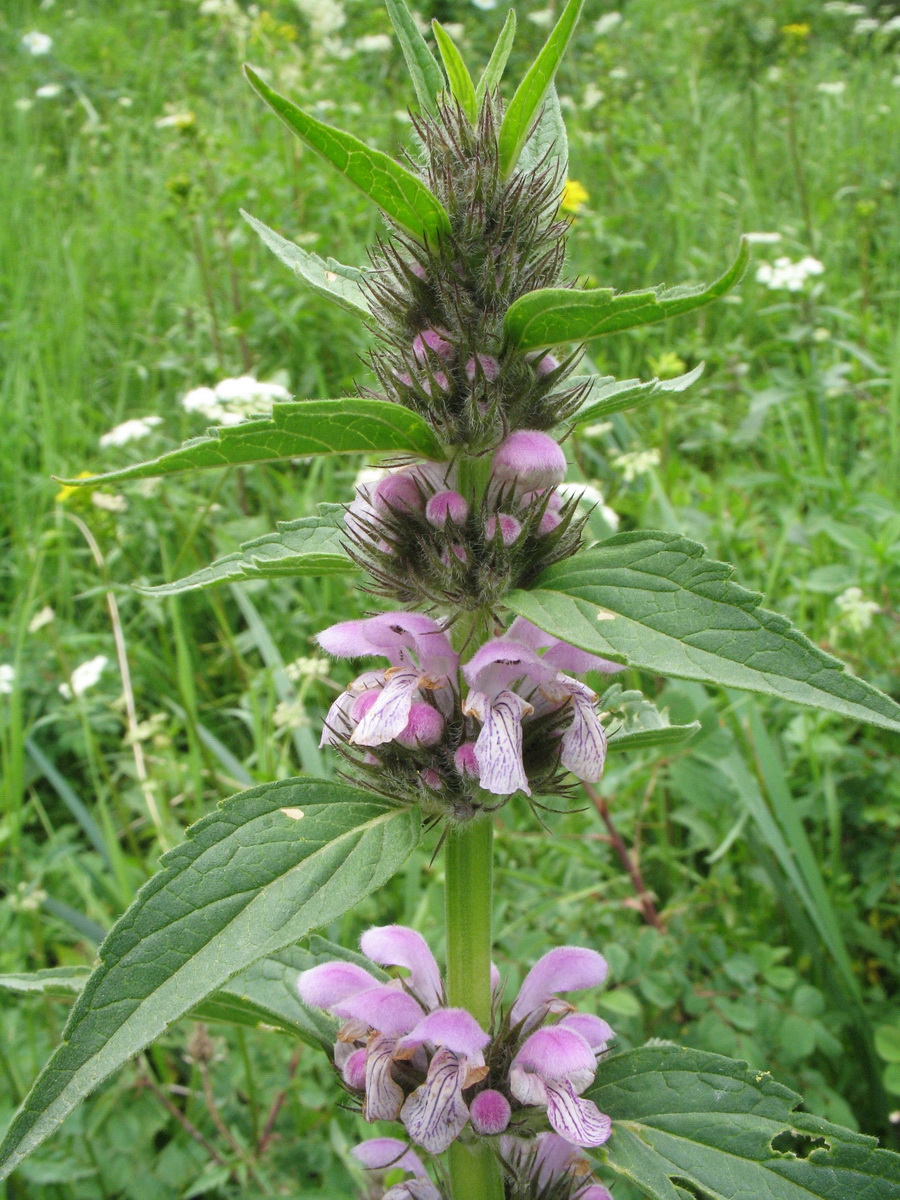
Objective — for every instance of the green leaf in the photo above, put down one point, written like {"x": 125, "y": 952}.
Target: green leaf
{"x": 534, "y": 87}
{"x": 493, "y": 72}
{"x": 549, "y": 316}
{"x": 675, "y": 612}
{"x": 424, "y": 71}
{"x": 548, "y": 145}
{"x": 609, "y": 395}
{"x": 52, "y": 981}
{"x": 887, "y": 1042}
{"x": 638, "y": 723}
{"x": 305, "y": 546}
{"x": 325, "y": 276}
{"x": 398, "y": 193}
{"x": 254, "y": 877}
{"x": 706, "y": 1123}
{"x": 461, "y": 86}
{"x": 296, "y": 429}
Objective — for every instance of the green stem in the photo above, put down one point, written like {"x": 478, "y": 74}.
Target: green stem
{"x": 475, "y": 1172}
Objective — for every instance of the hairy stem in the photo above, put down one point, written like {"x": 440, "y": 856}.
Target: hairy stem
{"x": 474, "y": 1170}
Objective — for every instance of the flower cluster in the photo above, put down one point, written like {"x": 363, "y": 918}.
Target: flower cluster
{"x": 423, "y": 541}
{"x": 518, "y": 723}
{"x": 408, "y": 1056}
{"x": 785, "y": 275}
{"x": 235, "y": 399}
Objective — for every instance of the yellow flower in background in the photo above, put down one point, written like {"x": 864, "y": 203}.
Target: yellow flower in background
{"x": 668, "y": 365}
{"x": 67, "y": 491}
{"x": 798, "y": 29}
{"x": 574, "y": 196}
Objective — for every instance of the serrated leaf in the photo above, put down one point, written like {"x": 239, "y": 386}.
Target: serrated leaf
{"x": 398, "y": 193}
{"x": 461, "y": 86}
{"x": 423, "y": 68}
{"x": 548, "y": 145}
{"x": 325, "y": 276}
{"x": 305, "y": 546}
{"x": 609, "y": 395}
{"x": 493, "y": 72}
{"x": 549, "y": 316}
{"x": 296, "y": 429}
{"x": 534, "y": 87}
{"x": 680, "y": 614}
{"x": 685, "y": 1117}
{"x": 250, "y": 880}
{"x": 636, "y": 723}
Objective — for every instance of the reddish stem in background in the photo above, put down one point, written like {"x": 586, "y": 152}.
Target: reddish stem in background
{"x": 648, "y": 908}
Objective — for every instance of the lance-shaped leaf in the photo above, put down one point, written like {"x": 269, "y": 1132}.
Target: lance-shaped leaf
{"x": 461, "y": 86}
{"x": 685, "y": 1117}
{"x": 549, "y": 316}
{"x": 531, "y": 91}
{"x": 423, "y": 68}
{"x": 609, "y": 395}
{"x": 305, "y": 546}
{"x": 493, "y": 72}
{"x": 548, "y": 146}
{"x": 678, "y": 613}
{"x": 296, "y": 429}
{"x": 325, "y": 276}
{"x": 635, "y": 723}
{"x": 254, "y": 877}
{"x": 398, "y": 193}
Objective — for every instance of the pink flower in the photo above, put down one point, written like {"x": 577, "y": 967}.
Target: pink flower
{"x": 551, "y": 1070}
{"x": 530, "y": 460}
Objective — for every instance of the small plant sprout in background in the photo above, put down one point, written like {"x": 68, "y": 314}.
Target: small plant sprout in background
{"x": 489, "y": 643}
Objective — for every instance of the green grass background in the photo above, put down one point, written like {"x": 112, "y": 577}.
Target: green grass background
{"x": 127, "y": 277}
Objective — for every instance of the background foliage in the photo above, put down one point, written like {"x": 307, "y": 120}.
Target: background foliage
{"x": 128, "y": 278}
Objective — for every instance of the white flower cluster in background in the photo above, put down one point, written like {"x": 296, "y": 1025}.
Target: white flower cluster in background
{"x": 786, "y": 275}
{"x": 233, "y": 400}
{"x": 855, "y": 612}
{"x": 636, "y": 463}
{"x": 7, "y": 678}
{"x": 837, "y": 88}
{"x": 85, "y": 676}
{"x": 130, "y": 431}
{"x": 37, "y": 44}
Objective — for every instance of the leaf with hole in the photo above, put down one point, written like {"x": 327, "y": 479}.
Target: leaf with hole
{"x": 400, "y": 195}
{"x": 423, "y": 67}
{"x": 306, "y": 546}
{"x": 530, "y": 93}
{"x": 342, "y": 285}
{"x": 689, "y": 1120}
{"x": 679, "y": 613}
{"x": 608, "y": 395}
{"x": 255, "y": 876}
{"x": 296, "y": 429}
{"x": 635, "y": 723}
{"x": 549, "y": 316}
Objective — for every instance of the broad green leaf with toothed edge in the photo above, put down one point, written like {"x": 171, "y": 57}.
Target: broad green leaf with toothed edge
{"x": 534, "y": 87}
{"x": 255, "y": 876}
{"x": 397, "y": 192}
{"x": 687, "y": 1117}
{"x": 329, "y": 278}
{"x": 679, "y": 613}
{"x": 493, "y": 72}
{"x": 548, "y": 145}
{"x": 461, "y": 86}
{"x": 549, "y": 316}
{"x": 296, "y": 429}
{"x": 427, "y": 77}
{"x": 609, "y": 395}
{"x": 305, "y": 546}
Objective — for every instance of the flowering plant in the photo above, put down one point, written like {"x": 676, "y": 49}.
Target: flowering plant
{"x": 496, "y": 611}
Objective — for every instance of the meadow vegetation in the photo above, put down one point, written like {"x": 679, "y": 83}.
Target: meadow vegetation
{"x": 765, "y": 924}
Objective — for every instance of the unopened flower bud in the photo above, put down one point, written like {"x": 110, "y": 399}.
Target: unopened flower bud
{"x": 530, "y": 459}
{"x": 425, "y": 727}
{"x": 509, "y": 527}
{"x": 398, "y": 491}
{"x": 490, "y": 1112}
{"x": 457, "y": 551}
{"x": 444, "y": 507}
{"x": 490, "y": 368}
{"x": 546, "y": 364}
{"x": 465, "y": 761}
{"x": 548, "y": 523}
{"x": 554, "y": 500}
{"x": 431, "y": 339}
{"x": 431, "y": 779}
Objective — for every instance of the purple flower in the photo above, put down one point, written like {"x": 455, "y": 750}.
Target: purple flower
{"x": 434, "y": 341}
{"x": 548, "y": 1160}
{"x": 563, "y": 969}
{"x": 422, "y": 661}
{"x": 529, "y": 460}
{"x": 385, "y": 1154}
{"x": 446, "y": 506}
{"x": 490, "y": 1112}
{"x": 551, "y": 1070}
